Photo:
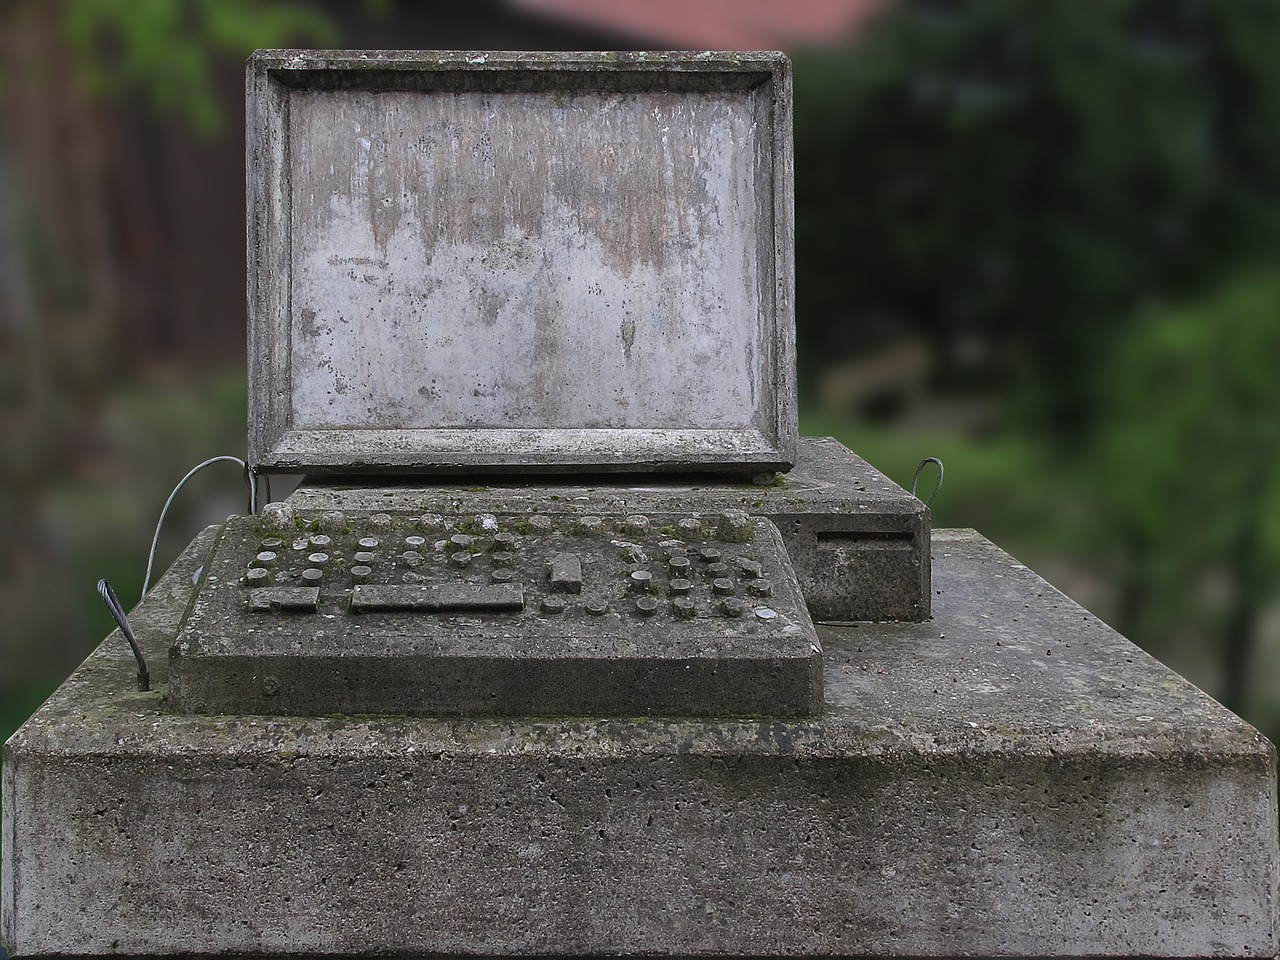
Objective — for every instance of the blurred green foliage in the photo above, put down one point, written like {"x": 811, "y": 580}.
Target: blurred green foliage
{"x": 165, "y": 49}
{"x": 149, "y": 428}
{"x": 1187, "y": 469}
{"x": 1013, "y": 180}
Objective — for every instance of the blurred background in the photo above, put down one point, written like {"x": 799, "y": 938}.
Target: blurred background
{"x": 1036, "y": 240}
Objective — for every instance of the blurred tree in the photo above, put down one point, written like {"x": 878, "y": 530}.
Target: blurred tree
{"x": 85, "y": 233}
{"x": 1011, "y": 180}
{"x": 1186, "y": 470}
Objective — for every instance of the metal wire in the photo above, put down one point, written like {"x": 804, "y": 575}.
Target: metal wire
{"x": 250, "y": 479}
{"x": 117, "y": 612}
{"x": 916, "y": 477}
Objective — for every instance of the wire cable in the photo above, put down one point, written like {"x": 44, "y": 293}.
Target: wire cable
{"x": 117, "y": 612}
{"x": 916, "y": 477}
{"x": 250, "y": 480}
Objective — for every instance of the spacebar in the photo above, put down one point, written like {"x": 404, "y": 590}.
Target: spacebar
{"x": 438, "y": 598}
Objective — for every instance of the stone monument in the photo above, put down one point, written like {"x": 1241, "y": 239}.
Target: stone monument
{"x": 569, "y": 643}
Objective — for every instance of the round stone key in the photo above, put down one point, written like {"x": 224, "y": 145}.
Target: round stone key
{"x": 684, "y": 608}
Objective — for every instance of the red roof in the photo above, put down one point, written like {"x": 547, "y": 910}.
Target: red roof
{"x": 715, "y": 24}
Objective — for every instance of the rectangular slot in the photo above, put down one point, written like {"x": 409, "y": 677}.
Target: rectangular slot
{"x": 863, "y": 536}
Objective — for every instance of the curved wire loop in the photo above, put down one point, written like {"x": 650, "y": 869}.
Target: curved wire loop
{"x": 915, "y": 478}
{"x": 250, "y": 479}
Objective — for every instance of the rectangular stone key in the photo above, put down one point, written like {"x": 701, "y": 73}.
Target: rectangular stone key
{"x": 565, "y": 573}
{"x": 438, "y": 598}
{"x": 291, "y": 599}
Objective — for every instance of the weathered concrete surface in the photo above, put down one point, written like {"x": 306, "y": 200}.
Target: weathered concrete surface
{"x": 520, "y": 261}
{"x": 600, "y": 616}
{"x": 1012, "y": 778}
{"x": 858, "y": 541}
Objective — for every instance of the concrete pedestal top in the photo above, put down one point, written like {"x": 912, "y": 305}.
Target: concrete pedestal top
{"x": 1011, "y": 778}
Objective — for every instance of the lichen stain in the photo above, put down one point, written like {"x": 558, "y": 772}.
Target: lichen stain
{"x": 336, "y": 261}
{"x": 311, "y": 328}
{"x": 628, "y": 333}
{"x": 308, "y": 327}
{"x": 489, "y": 303}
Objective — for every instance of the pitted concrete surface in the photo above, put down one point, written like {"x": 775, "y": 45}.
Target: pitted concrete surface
{"x": 1012, "y": 778}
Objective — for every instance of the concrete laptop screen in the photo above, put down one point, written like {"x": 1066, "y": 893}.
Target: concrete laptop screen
{"x": 571, "y": 265}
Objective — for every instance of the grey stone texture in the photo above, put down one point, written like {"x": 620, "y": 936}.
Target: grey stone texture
{"x": 485, "y": 615}
{"x": 1010, "y": 778}
{"x": 859, "y": 543}
{"x": 520, "y": 262}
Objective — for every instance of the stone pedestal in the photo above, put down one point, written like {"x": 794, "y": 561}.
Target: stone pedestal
{"x": 1011, "y": 778}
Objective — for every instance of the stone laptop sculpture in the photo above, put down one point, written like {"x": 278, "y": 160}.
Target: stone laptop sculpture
{"x": 542, "y": 657}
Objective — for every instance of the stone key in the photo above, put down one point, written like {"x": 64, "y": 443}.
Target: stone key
{"x": 292, "y": 599}
{"x": 566, "y": 573}
{"x": 438, "y": 598}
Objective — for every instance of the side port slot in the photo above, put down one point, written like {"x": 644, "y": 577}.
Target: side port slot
{"x": 866, "y": 539}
